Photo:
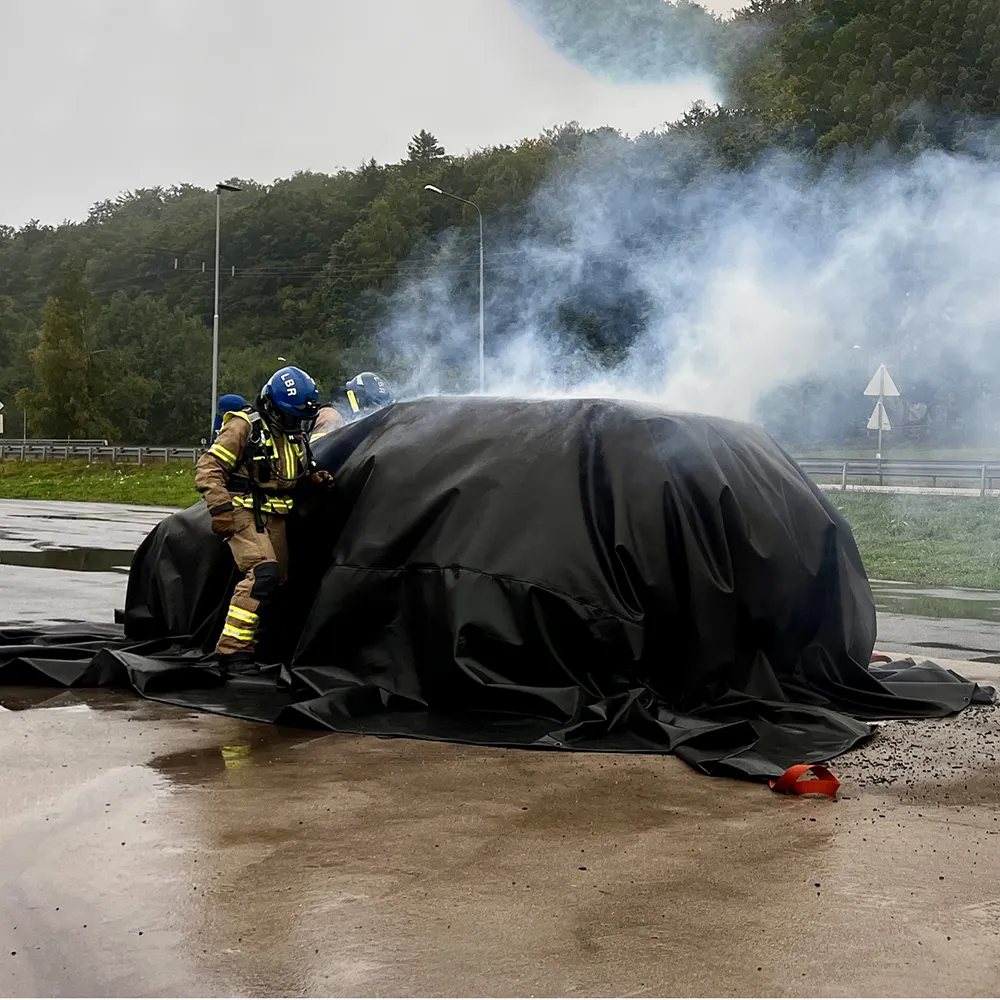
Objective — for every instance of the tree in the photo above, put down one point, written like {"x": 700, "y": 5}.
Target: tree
{"x": 17, "y": 337}
{"x": 365, "y": 262}
{"x": 370, "y": 179}
{"x": 161, "y": 358}
{"x": 62, "y": 403}
{"x": 855, "y": 71}
{"x": 424, "y": 149}
{"x": 511, "y": 179}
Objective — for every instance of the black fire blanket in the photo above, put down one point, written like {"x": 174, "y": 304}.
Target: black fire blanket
{"x": 567, "y": 574}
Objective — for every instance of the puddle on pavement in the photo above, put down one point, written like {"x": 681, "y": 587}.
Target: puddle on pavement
{"x": 936, "y": 602}
{"x": 198, "y": 766}
{"x": 78, "y": 559}
{"x": 22, "y": 699}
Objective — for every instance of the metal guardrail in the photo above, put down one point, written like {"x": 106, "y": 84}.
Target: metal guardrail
{"x": 97, "y": 453}
{"x": 81, "y": 442}
{"x": 982, "y": 473}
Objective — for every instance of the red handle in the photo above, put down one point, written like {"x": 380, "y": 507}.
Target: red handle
{"x": 823, "y": 784}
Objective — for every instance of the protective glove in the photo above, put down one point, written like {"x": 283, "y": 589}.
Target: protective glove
{"x": 223, "y": 522}
{"x": 322, "y": 478}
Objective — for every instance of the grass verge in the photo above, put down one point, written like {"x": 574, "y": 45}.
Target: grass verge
{"x": 169, "y": 485}
{"x": 933, "y": 541}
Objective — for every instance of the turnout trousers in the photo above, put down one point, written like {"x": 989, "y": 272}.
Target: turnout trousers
{"x": 262, "y": 558}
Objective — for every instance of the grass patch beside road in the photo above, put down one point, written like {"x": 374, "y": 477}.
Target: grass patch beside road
{"x": 165, "y": 485}
{"x": 935, "y": 541}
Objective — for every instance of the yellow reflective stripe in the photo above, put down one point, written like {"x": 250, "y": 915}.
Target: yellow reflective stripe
{"x": 238, "y": 633}
{"x": 224, "y": 453}
{"x": 272, "y": 505}
{"x": 291, "y": 461}
{"x": 244, "y": 616}
{"x": 353, "y": 400}
{"x": 226, "y": 417}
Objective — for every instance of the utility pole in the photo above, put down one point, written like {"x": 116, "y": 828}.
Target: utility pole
{"x": 482, "y": 283}
{"x": 219, "y": 188}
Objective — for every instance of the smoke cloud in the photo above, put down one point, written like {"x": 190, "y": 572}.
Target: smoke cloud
{"x": 639, "y": 271}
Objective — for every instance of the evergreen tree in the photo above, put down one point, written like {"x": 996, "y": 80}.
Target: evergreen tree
{"x": 423, "y": 149}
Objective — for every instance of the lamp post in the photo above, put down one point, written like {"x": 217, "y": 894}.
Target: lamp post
{"x": 482, "y": 299}
{"x": 219, "y": 188}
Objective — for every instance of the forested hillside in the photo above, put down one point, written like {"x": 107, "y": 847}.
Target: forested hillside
{"x": 105, "y": 324}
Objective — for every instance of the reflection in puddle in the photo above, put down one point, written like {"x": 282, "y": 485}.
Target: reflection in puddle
{"x": 22, "y": 699}
{"x": 206, "y": 764}
{"x": 81, "y": 560}
{"x": 236, "y": 756}
{"x": 936, "y": 602}
{"x": 17, "y": 699}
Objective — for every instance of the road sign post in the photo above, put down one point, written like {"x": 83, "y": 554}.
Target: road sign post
{"x": 879, "y": 421}
{"x": 881, "y": 386}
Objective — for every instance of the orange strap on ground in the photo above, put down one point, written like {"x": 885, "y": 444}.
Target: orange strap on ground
{"x": 823, "y": 784}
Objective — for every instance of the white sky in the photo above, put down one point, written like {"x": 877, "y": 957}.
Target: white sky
{"x": 101, "y": 96}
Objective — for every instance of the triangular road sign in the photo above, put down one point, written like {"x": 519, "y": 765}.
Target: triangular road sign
{"x": 879, "y": 420}
{"x": 881, "y": 384}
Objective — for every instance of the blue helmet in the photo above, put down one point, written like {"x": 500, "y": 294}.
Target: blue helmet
{"x": 368, "y": 391}
{"x": 290, "y": 399}
{"x": 227, "y": 403}
{"x": 231, "y": 401}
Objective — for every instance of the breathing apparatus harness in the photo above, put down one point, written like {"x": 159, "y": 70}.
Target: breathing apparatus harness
{"x": 261, "y": 463}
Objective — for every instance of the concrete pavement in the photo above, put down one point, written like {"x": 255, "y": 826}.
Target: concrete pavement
{"x": 146, "y": 850}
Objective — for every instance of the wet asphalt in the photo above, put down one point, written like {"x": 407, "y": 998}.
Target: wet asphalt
{"x": 146, "y": 850}
{"x": 89, "y": 544}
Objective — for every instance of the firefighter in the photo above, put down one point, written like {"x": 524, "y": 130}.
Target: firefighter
{"x": 231, "y": 401}
{"x": 247, "y": 478}
{"x": 328, "y": 419}
{"x": 365, "y": 393}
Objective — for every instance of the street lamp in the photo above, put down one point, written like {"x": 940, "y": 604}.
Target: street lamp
{"x": 219, "y": 188}
{"x": 482, "y": 301}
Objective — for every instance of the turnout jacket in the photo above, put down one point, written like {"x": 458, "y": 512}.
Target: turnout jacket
{"x": 249, "y": 457}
